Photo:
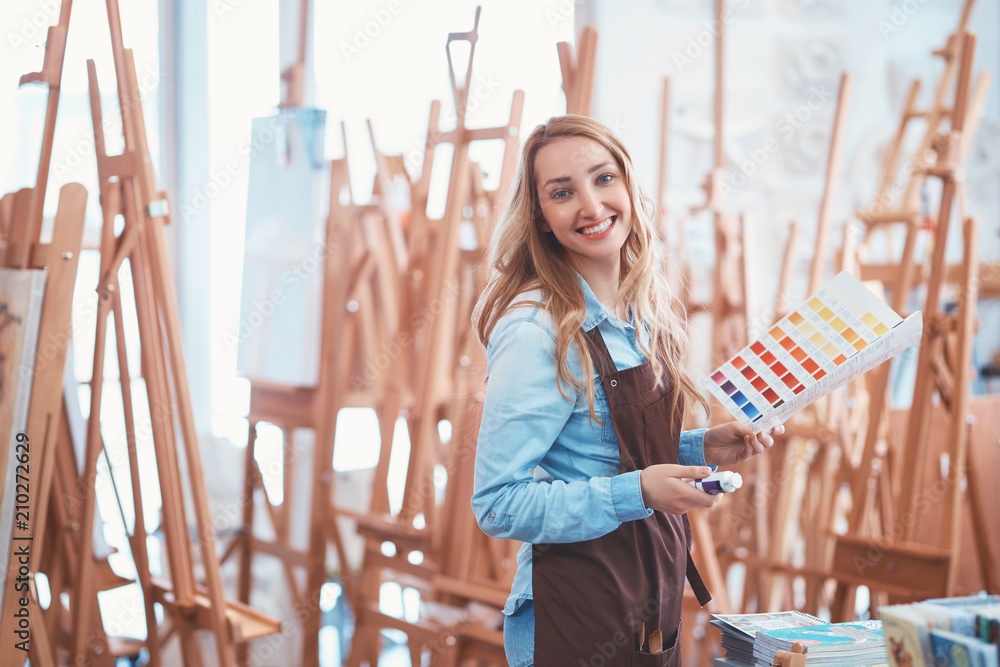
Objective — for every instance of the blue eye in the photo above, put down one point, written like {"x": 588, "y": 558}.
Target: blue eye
{"x": 560, "y": 194}
{"x": 605, "y": 178}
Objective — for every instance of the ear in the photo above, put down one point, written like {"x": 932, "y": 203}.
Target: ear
{"x": 544, "y": 226}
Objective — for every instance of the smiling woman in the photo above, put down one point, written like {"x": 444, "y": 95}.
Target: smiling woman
{"x": 580, "y": 330}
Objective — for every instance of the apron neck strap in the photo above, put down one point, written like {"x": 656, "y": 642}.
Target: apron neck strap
{"x": 603, "y": 363}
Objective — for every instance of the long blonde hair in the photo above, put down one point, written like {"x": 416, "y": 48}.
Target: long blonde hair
{"x": 524, "y": 257}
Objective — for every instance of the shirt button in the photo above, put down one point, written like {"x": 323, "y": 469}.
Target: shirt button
{"x": 493, "y": 516}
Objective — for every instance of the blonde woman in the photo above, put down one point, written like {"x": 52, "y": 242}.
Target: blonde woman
{"x": 580, "y": 452}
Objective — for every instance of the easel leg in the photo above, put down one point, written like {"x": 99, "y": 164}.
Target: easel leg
{"x": 138, "y": 539}
{"x": 246, "y": 534}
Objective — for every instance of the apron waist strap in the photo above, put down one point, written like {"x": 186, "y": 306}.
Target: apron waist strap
{"x": 697, "y": 584}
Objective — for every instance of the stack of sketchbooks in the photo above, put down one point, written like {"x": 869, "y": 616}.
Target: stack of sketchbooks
{"x": 849, "y": 644}
{"x": 943, "y": 632}
{"x": 751, "y": 640}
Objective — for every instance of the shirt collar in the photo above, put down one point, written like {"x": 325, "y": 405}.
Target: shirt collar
{"x": 596, "y": 312}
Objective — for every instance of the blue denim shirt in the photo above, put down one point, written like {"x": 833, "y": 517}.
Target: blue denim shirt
{"x": 545, "y": 472}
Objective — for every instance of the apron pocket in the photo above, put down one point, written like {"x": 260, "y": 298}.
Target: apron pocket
{"x": 657, "y": 410}
{"x": 669, "y": 657}
{"x": 655, "y": 420}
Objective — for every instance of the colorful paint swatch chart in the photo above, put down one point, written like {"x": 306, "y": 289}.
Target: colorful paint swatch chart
{"x": 835, "y": 336}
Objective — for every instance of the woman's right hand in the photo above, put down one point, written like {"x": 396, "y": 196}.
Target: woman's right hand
{"x": 666, "y": 488}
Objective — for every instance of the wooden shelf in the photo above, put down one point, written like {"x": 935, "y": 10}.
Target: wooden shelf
{"x": 107, "y": 579}
{"x": 906, "y": 569}
{"x": 245, "y": 623}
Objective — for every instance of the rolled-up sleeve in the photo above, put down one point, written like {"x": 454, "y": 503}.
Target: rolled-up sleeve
{"x": 523, "y": 415}
{"x": 691, "y": 449}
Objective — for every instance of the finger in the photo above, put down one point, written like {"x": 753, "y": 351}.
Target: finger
{"x": 711, "y": 499}
{"x": 694, "y": 498}
{"x": 778, "y": 430}
{"x": 703, "y": 503}
{"x": 700, "y": 498}
{"x": 689, "y": 472}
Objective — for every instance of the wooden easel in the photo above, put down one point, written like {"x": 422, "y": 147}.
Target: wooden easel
{"x": 578, "y": 71}
{"x": 360, "y": 264}
{"x": 459, "y": 565}
{"x": 60, "y": 258}
{"x": 809, "y": 439}
{"x": 440, "y": 270}
{"x": 373, "y": 295}
{"x": 836, "y": 446}
{"x": 935, "y": 565}
{"x": 438, "y": 289}
{"x": 977, "y": 563}
{"x": 20, "y": 228}
{"x": 60, "y": 564}
{"x": 346, "y": 265}
{"x": 128, "y": 189}
{"x": 898, "y": 566}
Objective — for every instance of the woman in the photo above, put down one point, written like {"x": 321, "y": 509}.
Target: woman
{"x": 580, "y": 453}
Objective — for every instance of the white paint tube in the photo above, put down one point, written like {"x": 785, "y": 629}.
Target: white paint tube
{"x": 719, "y": 482}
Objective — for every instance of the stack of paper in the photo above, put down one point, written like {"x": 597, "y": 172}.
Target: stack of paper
{"x": 847, "y": 644}
{"x": 739, "y": 631}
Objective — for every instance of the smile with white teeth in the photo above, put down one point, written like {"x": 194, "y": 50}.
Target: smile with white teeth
{"x": 598, "y": 229}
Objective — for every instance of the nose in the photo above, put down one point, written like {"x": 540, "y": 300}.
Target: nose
{"x": 590, "y": 204}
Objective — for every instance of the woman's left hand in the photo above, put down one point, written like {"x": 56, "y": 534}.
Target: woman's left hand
{"x": 732, "y": 443}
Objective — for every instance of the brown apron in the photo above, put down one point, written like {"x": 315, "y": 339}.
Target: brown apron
{"x": 592, "y": 599}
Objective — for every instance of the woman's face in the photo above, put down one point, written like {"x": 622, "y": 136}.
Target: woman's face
{"x": 584, "y": 200}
